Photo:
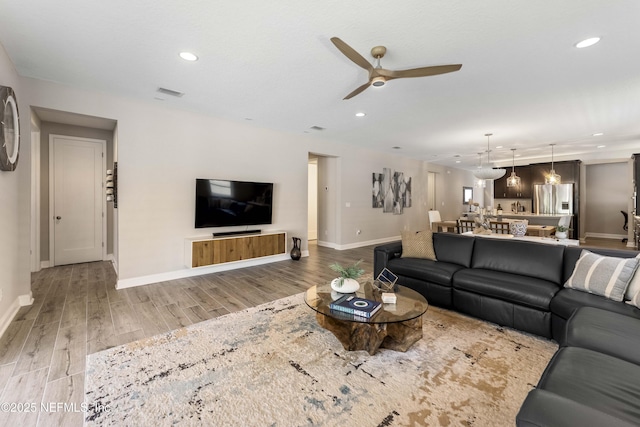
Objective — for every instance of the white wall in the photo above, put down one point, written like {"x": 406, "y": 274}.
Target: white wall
{"x": 15, "y": 191}
{"x": 161, "y": 151}
{"x": 449, "y": 183}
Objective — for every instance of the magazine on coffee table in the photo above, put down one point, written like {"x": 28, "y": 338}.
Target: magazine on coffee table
{"x": 357, "y": 306}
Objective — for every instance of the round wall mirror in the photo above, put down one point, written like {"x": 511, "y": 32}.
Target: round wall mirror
{"x": 10, "y": 135}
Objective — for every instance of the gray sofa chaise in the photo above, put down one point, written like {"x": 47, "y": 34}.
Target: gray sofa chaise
{"x": 520, "y": 284}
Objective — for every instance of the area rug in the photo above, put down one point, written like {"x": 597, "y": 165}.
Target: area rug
{"x": 272, "y": 365}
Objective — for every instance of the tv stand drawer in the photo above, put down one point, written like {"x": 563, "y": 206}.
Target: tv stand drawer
{"x": 236, "y": 248}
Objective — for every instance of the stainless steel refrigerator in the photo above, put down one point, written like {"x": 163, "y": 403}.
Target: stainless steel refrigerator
{"x": 553, "y": 199}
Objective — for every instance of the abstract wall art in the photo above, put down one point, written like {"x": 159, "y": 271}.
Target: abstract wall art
{"x": 391, "y": 191}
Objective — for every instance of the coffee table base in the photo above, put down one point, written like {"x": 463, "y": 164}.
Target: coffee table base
{"x": 370, "y": 337}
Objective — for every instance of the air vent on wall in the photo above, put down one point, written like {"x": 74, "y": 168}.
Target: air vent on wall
{"x": 317, "y": 128}
{"x": 170, "y": 92}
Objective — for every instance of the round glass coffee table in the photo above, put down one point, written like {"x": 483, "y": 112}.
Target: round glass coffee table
{"x": 395, "y": 326}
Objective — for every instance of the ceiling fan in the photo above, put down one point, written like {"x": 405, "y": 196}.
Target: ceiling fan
{"x": 378, "y": 76}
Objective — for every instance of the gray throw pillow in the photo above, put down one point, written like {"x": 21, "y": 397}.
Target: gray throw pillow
{"x": 602, "y": 275}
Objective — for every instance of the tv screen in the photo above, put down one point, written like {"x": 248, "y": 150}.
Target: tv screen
{"x": 222, "y": 203}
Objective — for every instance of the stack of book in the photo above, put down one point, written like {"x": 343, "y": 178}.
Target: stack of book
{"x": 355, "y": 306}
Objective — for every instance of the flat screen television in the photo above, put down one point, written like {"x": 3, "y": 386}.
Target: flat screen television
{"x": 223, "y": 203}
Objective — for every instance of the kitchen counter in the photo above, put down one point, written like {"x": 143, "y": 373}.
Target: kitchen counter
{"x": 527, "y": 215}
{"x": 538, "y": 219}
{"x": 533, "y": 218}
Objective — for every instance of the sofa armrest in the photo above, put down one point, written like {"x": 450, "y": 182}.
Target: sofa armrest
{"x": 383, "y": 254}
{"x": 545, "y": 409}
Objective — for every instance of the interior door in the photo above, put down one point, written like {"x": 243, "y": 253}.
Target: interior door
{"x": 77, "y": 211}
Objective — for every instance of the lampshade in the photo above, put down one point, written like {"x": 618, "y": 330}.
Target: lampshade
{"x": 513, "y": 180}
{"x": 488, "y": 172}
{"x": 552, "y": 178}
{"x": 479, "y": 183}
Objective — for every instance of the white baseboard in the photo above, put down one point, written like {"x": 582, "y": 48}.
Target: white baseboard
{"x": 26, "y": 299}
{"x": 8, "y": 316}
{"x": 45, "y": 264}
{"x": 630, "y": 244}
{"x": 191, "y": 272}
{"x": 358, "y": 244}
{"x": 327, "y": 244}
{"x": 605, "y": 235}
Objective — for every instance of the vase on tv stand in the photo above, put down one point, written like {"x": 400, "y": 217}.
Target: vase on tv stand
{"x": 295, "y": 251}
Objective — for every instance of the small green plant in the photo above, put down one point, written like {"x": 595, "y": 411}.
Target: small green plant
{"x": 562, "y": 228}
{"x": 350, "y": 272}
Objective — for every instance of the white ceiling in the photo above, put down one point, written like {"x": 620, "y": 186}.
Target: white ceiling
{"x": 273, "y": 63}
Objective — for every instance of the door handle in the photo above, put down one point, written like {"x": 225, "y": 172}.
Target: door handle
{"x": 58, "y": 218}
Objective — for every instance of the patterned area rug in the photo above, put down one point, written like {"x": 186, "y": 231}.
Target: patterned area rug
{"x": 273, "y": 365}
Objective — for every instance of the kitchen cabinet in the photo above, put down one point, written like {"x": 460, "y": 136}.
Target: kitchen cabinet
{"x": 569, "y": 171}
{"x": 523, "y": 191}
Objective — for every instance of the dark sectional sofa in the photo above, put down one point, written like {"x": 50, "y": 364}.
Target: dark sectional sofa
{"x": 519, "y": 284}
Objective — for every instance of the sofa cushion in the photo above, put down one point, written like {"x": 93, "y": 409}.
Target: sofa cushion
{"x": 539, "y": 260}
{"x": 602, "y": 275}
{"x": 605, "y": 332}
{"x": 544, "y": 409}
{"x": 454, "y": 248}
{"x": 522, "y": 290}
{"x": 418, "y": 244}
{"x": 596, "y": 380}
{"x": 567, "y": 301}
{"x": 431, "y": 271}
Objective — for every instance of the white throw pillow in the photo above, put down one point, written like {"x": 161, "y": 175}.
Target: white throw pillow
{"x": 602, "y": 275}
{"x": 634, "y": 285}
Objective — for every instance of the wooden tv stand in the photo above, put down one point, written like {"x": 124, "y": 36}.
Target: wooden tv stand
{"x": 205, "y": 251}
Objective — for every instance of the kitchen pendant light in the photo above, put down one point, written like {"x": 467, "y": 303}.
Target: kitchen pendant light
{"x": 513, "y": 180}
{"x": 480, "y": 183}
{"x": 552, "y": 178}
{"x": 488, "y": 172}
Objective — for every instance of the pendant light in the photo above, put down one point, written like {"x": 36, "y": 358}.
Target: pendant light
{"x": 480, "y": 183}
{"x": 513, "y": 180}
{"x": 488, "y": 172}
{"x": 553, "y": 178}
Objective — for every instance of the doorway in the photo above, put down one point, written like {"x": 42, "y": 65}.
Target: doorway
{"x": 77, "y": 223}
{"x": 431, "y": 191}
{"x": 312, "y": 211}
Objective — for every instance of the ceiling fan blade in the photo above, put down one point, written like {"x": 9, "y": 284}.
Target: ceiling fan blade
{"x": 350, "y": 53}
{"x": 420, "y": 72}
{"x": 357, "y": 91}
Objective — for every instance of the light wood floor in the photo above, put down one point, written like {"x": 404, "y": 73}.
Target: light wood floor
{"x": 77, "y": 311}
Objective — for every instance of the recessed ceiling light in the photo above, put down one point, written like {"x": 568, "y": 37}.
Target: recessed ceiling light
{"x": 598, "y": 134}
{"x": 587, "y": 42}
{"x": 601, "y": 146}
{"x": 188, "y": 56}
{"x": 458, "y": 161}
{"x": 498, "y": 146}
{"x": 518, "y": 155}
{"x": 360, "y": 114}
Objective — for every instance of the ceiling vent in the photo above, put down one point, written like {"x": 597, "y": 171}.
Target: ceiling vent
{"x": 317, "y": 128}
{"x": 170, "y": 92}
